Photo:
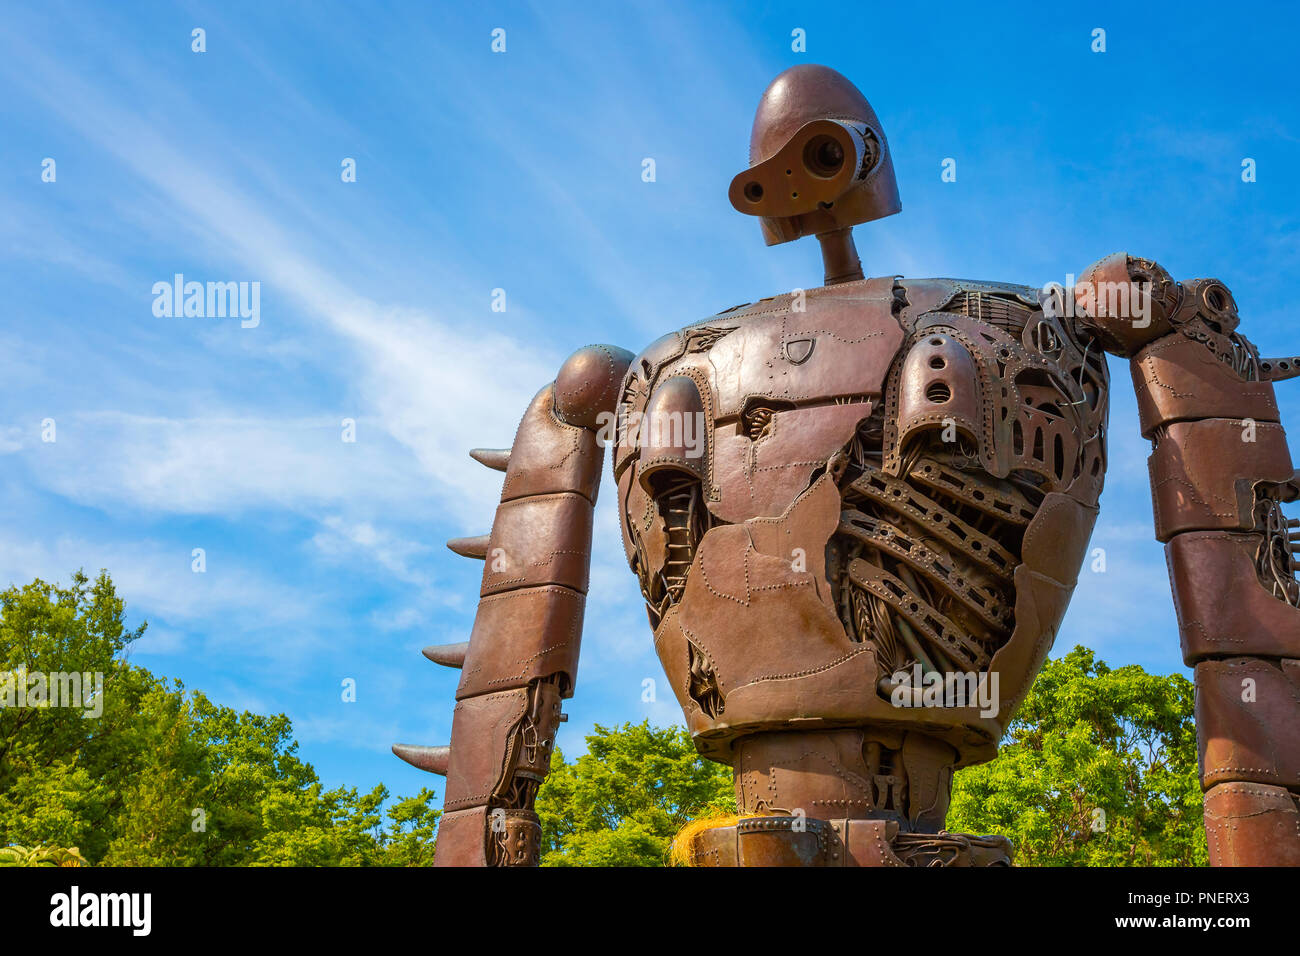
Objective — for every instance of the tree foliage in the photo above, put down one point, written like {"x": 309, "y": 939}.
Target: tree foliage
{"x": 165, "y": 778}
{"x": 1098, "y": 768}
{"x": 622, "y": 802}
{"x": 40, "y": 856}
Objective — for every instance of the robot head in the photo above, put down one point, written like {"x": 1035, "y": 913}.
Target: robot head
{"x": 818, "y": 159}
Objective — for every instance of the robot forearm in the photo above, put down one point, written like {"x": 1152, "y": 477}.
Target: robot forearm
{"x": 521, "y": 658}
{"x": 1220, "y": 469}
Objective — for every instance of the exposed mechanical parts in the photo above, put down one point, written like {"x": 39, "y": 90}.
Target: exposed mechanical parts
{"x": 801, "y": 841}
{"x": 985, "y": 415}
{"x": 843, "y": 798}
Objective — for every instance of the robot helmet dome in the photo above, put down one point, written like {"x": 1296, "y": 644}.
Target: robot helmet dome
{"x": 819, "y": 160}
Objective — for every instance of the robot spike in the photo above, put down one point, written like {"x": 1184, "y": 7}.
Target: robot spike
{"x": 448, "y": 655}
{"x": 494, "y": 458}
{"x": 432, "y": 759}
{"x": 475, "y": 547}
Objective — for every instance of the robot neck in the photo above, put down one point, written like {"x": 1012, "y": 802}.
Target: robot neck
{"x": 840, "y": 256}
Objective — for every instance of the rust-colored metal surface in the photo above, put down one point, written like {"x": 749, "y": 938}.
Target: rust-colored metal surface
{"x": 857, "y": 514}
{"x": 521, "y": 659}
{"x": 1220, "y": 472}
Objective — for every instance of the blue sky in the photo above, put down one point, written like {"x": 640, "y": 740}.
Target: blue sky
{"x": 522, "y": 171}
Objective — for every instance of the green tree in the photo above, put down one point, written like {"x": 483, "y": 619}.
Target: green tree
{"x": 1098, "y": 768}
{"x": 622, "y": 802}
{"x": 163, "y": 778}
{"x": 1088, "y": 738}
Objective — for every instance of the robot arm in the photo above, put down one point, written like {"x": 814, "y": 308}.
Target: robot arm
{"x": 1220, "y": 471}
{"x": 522, "y": 655}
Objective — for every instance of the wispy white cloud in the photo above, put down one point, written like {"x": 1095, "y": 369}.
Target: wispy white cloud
{"x": 341, "y": 540}
{"x": 434, "y": 385}
{"x": 159, "y": 576}
{"x": 220, "y": 465}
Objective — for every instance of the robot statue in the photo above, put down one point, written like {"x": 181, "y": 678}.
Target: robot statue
{"x": 857, "y": 514}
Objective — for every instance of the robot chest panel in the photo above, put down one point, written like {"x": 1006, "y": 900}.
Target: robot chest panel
{"x": 806, "y": 348}
{"x": 782, "y": 386}
{"x": 761, "y": 398}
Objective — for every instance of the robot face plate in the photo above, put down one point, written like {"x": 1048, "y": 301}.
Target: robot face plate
{"x": 819, "y": 160}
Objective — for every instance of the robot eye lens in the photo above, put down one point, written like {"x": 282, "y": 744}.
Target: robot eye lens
{"x": 823, "y": 156}
{"x": 753, "y": 192}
